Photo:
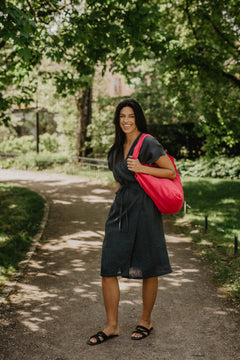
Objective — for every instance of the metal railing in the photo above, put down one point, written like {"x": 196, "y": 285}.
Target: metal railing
{"x": 98, "y": 163}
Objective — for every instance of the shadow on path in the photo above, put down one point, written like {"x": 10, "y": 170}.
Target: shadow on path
{"x": 58, "y": 303}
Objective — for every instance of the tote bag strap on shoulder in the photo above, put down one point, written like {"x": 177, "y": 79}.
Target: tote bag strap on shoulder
{"x": 139, "y": 145}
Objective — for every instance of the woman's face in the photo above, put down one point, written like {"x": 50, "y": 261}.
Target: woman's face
{"x": 127, "y": 120}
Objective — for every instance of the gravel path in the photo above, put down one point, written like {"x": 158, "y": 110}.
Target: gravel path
{"x": 58, "y": 303}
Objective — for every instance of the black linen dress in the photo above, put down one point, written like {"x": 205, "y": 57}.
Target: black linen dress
{"x": 134, "y": 244}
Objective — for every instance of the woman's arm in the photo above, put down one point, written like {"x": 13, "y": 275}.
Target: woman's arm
{"x": 165, "y": 167}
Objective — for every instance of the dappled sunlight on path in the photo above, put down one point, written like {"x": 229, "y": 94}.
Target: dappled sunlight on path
{"x": 58, "y": 304}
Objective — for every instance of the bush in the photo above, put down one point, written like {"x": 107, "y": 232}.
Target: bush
{"x": 180, "y": 139}
{"x": 27, "y": 143}
{"x": 218, "y": 167}
{"x": 35, "y": 161}
{"x": 49, "y": 142}
{"x": 15, "y": 145}
{"x": 100, "y": 133}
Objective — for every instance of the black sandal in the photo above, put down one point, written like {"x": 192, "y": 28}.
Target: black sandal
{"x": 97, "y": 337}
{"x": 143, "y": 331}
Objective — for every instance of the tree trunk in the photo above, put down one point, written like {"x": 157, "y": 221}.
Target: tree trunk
{"x": 84, "y": 114}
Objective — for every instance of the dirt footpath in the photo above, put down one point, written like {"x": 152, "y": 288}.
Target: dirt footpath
{"x": 58, "y": 303}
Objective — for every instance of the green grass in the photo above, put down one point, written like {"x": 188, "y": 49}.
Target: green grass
{"x": 57, "y": 163}
{"x": 219, "y": 200}
{"x": 102, "y": 176}
{"x": 21, "y": 212}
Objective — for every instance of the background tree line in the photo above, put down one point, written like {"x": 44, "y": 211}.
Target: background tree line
{"x": 182, "y": 56}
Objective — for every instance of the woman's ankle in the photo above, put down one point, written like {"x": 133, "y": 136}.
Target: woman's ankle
{"x": 146, "y": 322}
{"x": 112, "y": 329}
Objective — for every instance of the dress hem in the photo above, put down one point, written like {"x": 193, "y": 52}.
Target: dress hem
{"x": 138, "y": 278}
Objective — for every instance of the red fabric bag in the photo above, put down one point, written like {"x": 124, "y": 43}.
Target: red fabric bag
{"x": 167, "y": 194}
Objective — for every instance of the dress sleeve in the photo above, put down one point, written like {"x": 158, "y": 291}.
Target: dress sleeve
{"x": 151, "y": 151}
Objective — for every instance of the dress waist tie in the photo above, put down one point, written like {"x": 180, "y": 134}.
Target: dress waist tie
{"x": 123, "y": 215}
{"x": 125, "y": 205}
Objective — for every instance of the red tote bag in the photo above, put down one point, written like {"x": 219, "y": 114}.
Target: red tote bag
{"x": 167, "y": 194}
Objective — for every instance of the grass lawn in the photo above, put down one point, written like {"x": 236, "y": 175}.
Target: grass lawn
{"x": 219, "y": 200}
{"x": 21, "y": 212}
{"x": 103, "y": 176}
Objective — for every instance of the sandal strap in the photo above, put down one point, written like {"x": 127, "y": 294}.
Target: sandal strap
{"x": 102, "y": 334}
{"x": 98, "y": 335}
{"x": 141, "y": 333}
{"x": 141, "y": 329}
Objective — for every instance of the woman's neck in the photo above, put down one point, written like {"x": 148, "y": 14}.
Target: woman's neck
{"x": 129, "y": 139}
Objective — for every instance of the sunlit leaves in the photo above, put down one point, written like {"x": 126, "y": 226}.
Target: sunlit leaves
{"x": 194, "y": 44}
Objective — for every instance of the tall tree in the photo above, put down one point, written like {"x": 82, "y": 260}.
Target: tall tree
{"x": 99, "y": 33}
{"x": 195, "y": 45}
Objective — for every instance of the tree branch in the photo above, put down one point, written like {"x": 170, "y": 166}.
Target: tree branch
{"x": 32, "y": 10}
{"x": 190, "y": 21}
{"x": 231, "y": 77}
{"x": 220, "y": 33}
{"x": 54, "y": 9}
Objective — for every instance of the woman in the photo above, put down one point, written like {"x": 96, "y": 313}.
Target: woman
{"x": 134, "y": 244}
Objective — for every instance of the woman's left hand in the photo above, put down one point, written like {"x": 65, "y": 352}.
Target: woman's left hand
{"x": 134, "y": 165}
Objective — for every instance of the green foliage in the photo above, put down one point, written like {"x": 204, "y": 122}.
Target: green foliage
{"x": 27, "y": 144}
{"x": 101, "y": 131}
{"x": 34, "y": 161}
{"x": 160, "y": 107}
{"x": 220, "y": 201}
{"x": 19, "y": 53}
{"x": 14, "y": 145}
{"x": 114, "y": 32}
{"x": 21, "y": 211}
{"x": 179, "y": 139}
{"x": 23, "y": 32}
{"x": 196, "y": 72}
{"x": 217, "y": 167}
{"x": 193, "y": 47}
{"x": 49, "y": 143}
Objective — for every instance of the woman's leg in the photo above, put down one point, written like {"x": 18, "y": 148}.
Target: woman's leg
{"x": 111, "y": 296}
{"x": 149, "y": 294}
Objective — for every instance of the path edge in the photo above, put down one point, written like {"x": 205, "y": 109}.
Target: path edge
{"x": 11, "y": 284}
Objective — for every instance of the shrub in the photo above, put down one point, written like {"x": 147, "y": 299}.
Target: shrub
{"x": 36, "y": 161}
{"x": 17, "y": 145}
{"x": 100, "y": 133}
{"x": 218, "y": 167}
{"x": 27, "y": 143}
{"x": 49, "y": 142}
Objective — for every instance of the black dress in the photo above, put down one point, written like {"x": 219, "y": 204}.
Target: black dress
{"x": 134, "y": 244}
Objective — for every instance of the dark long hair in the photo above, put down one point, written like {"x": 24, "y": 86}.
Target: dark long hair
{"x": 141, "y": 124}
